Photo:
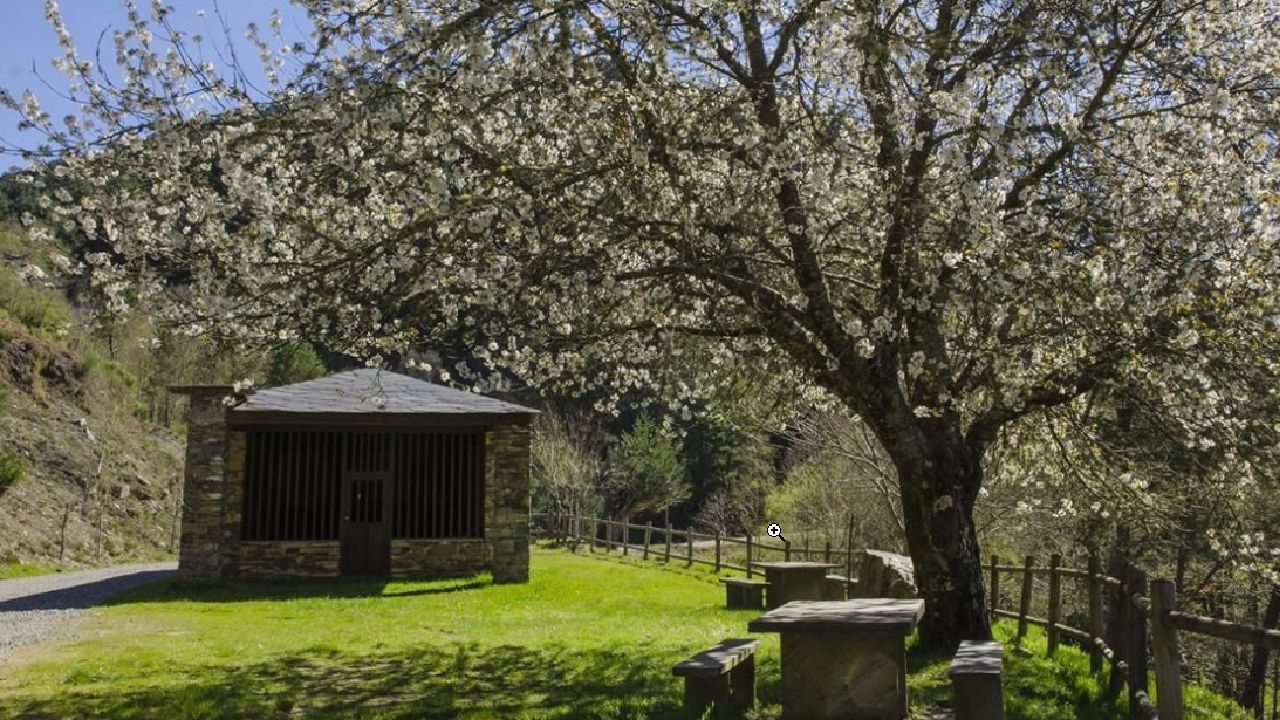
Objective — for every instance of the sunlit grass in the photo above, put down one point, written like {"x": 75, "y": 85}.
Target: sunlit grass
{"x": 584, "y": 638}
{"x": 587, "y": 637}
{"x": 1037, "y": 687}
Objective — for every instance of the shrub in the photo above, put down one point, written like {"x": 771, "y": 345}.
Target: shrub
{"x": 44, "y": 311}
{"x": 11, "y": 469}
{"x": 109, "y": 385}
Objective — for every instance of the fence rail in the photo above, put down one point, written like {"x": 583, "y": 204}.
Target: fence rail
{"x": 1145, "y": 631}
{"x": 667, "y": 542}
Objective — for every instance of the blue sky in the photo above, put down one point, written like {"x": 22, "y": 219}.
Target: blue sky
{"x": 27, "y": 38}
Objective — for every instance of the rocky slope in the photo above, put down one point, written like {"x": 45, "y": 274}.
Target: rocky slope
{"x": 98, "y": 485}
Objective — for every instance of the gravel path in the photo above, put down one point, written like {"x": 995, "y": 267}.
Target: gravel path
{"x": 37, "y": 609}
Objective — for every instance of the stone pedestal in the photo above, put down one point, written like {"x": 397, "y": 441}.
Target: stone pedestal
{"x": 837, "y": 588}
{"x": 843, "y": 659}
{"x": 790, "y": 581}
{"x": 743, "y": 593}
{"x": 975, "y": 681}
{"x": 723, "y": 678}
{"x": 827, "y": 677}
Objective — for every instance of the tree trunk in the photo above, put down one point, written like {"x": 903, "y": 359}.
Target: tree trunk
{"x": 939, "y": 476}
{"x": 1251, "y": 693}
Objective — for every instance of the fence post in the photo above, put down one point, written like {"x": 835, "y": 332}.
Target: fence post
{"x": 666, "y": 555}
{"x": 1055, "y": 602}
{"x": 626, "y": 534}
{"x": 688, "y": 536}
{"x": 577, "y": 531}
{"x": 826, "y": 553}
{"x": 648, "y": 530}
{"x": 1095, "y": 612}
{"x": 1024, "y": 605}
{"x": 1164, "y": 646}
{"x": 749, "y": 570}
{"x": 995, "y": 586}
{"x": 717, "y": 551}
{"x": 849, "y": 550}
{"x": 786, "y": 550}
{"x": 1120, "y": 648}
{"x": 1137, "y": 656}
{"x": 591, "y": 546}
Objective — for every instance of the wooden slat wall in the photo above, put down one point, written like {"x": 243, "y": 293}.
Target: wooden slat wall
{"x": 293, "y": 482}
{"x": 292, "y": 486}
{"x": 439, "y": 486}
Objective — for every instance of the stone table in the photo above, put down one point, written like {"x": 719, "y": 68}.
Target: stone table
{"x": 795, "y": 581}
{"x": 843, "y": 659}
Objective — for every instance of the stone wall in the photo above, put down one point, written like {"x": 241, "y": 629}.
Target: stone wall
{"x": 211, "y": 545}
{"x": 885, "y": 575}
{"x": 233, "y": 503}
{"x": 438, "y": 558}
{"x": 507, "y": 501}
{"x": 283, "y": 558}
{"x": 199, "y": 549}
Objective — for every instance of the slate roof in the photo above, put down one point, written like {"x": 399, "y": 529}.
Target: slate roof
{"x": 373, "y": 392}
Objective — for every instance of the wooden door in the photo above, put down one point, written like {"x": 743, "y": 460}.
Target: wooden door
{"x": 366, "y": 523}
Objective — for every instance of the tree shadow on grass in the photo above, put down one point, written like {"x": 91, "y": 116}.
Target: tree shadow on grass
{"x": 929, "y": 683}
{"x": 456, "y": 681}
{"x": 240, "y": 591}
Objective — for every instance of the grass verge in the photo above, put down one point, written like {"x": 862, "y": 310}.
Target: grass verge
{"x": 17, "y": 570}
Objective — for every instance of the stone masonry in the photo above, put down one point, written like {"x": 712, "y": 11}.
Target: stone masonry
{"x": 211, "y": 548}
{"x": 438, "y": 558}
{"x": 285, "y": 558}
{"x": 507, "y": 501}
{"x": 204, "y": 482}
{"x": 233, "y": 560}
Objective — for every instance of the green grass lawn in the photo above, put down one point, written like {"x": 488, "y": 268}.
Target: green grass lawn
{"x": 587, "y": 637}
{"x": 17, "y": 569}
{"x": 1062, "y": 688}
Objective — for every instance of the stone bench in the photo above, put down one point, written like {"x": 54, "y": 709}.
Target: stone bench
{"x": 723, "y": 676}
{"x": 975, "y": 681}
{"x": 838, "y": 587}
{"x": 743, "y": 592}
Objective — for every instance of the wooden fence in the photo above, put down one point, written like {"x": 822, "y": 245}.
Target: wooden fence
{"x": 664, "y": 542}
{"x": 1144, "y": 632}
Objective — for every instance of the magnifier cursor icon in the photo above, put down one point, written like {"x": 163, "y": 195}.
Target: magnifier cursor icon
{"x": 776, "y": 531}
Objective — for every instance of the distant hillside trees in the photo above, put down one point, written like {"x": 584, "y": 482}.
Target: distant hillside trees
{"x": 645, "y": 471}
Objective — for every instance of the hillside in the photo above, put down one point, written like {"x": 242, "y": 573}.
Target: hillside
{"x": 83, "y": 480}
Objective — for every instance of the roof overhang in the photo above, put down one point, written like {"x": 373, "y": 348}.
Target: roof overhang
{"x": 246, "y": 420}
